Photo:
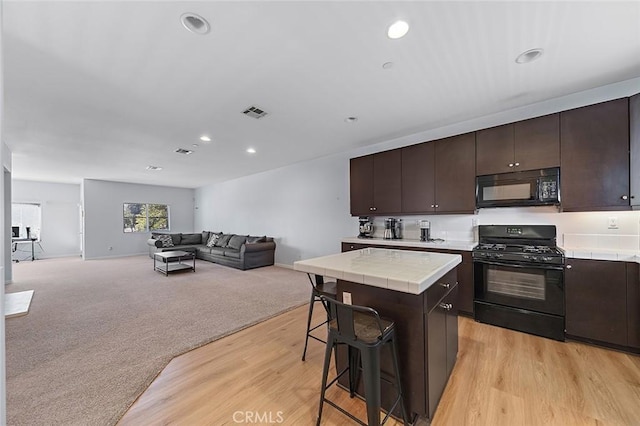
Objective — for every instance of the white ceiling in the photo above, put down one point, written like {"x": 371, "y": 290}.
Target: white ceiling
{"x": 100, "y": 90}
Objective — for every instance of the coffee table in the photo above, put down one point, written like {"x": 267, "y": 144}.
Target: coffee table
{"x": 171, "y": 261}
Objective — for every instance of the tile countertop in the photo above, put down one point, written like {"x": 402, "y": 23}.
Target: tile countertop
{"x": 602, "y": 254}
{"x": 401, "y": 270}
{"x": 570, "y": 252}
{"x": 446, "y": 245}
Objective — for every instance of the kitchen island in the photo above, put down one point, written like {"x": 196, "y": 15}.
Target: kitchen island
{"x": 418, "y": 291}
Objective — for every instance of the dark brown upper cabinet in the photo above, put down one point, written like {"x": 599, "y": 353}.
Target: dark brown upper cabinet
{"x": 595, "y": 157}
{"x": 634, "y": 142}
{"x": 525, "y": 145}
{"x": 439, "y": 176}
{"x": 375, "y": 184}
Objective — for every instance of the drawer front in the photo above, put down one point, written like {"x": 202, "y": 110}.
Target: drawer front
{"x": 439, "y": 290}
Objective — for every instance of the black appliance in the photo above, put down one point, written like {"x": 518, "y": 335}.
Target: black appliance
{"x": 392, "y": 229}
{"x": 366, "y": 227}
{"x": 519, "y": 279}
{"x": 528, "y": 188}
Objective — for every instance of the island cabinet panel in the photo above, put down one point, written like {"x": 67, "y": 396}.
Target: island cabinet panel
{"x": 427, "y": 340}
{"x": 633, "y": 305}
{"x": 374, "y": 184}
{"x": 441, "y": 327}
{"x": 525, "y": 145}
{"x": 465, "y": 271}
{"x": 439, "y": 176}
{"x": 596, "y": 301}
{"x": 595, "y": 157}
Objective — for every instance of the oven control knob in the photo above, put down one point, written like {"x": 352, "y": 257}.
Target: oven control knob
{"x": 498, "y": 255}
{"x": 547, "y": 258}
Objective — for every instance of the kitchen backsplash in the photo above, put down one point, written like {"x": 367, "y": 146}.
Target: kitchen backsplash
{"x": 615, "y": 230}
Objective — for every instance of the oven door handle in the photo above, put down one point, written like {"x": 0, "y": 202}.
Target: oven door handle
{"x": 521, "y": 266}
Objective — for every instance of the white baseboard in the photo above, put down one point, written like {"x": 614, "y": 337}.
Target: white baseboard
{"x": 284, "y": 265}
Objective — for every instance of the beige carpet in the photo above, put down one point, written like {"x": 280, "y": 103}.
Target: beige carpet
{"x": 99, "y": 331}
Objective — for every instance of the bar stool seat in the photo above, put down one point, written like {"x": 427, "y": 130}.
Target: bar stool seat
{"x": 364, "y": 333}
{"x": 319, "y": 288}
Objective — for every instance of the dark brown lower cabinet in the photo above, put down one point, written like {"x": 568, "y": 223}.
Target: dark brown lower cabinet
{"x": 465, "y": 271}
{"x": 427, "y": 338}
{"x": 441, "y": 327}
{"x": 596, "y": 301}
{"x": 633, "y": 305}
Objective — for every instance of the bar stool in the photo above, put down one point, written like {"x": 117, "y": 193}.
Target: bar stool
{"x": 318, "y": 289}
{"x": 364, "y": 333}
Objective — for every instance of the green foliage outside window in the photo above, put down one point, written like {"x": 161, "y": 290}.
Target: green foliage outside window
{"x": 140, "y": 217}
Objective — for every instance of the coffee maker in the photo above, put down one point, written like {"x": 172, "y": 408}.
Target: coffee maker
{"x": 425, "y": 230}
{"x": 392, "y": 229}
{"x": 366, "y": 227}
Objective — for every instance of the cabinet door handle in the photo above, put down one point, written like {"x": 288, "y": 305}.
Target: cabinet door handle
{"x": 568, "y": 266}
{"x": 445, "y": 285}
{"x": 625, "y": 197}
{"x": 437, "y": 206}
{"x": 517, "y": 164}
{"x": 510, "y": 164}
{"x": 446, "y": 306}
{"x": 433, "y": 205}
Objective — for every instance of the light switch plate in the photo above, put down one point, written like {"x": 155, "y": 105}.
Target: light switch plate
{"x": 613, "y": 222}
{"x": 346, "y": 298}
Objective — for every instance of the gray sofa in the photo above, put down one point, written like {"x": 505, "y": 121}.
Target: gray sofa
{"x": 238, "y": 251}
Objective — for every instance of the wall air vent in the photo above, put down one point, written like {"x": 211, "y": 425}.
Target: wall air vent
{"x": 154, "y": 168}
{"x": 184, "y": 151}
{"x": 254, "y": 112}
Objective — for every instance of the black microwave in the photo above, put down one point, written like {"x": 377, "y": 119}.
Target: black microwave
{"x": 519, "y": 189}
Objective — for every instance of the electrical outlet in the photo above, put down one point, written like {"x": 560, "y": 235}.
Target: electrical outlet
{"x": 346, "y": 298}
{"x": 474, "y": 222}
{"x": 613, "y": 222}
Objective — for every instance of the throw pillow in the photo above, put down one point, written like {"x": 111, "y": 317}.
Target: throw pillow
{"x": 223, "y": 240}
{"x": 213, "y": 239}
{"x": 167, "y": 241}
{"x": 252, "y": 239}
{"x": 191, "y": 239}
{"x": 236, "y": 242}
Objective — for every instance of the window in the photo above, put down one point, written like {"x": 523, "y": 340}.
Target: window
{"x": 26, "y": 219}
{"x": 145, "y": 217}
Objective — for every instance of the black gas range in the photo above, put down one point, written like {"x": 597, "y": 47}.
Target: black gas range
{"x": 519, "y": 279}
{"x": 523, "y": 253}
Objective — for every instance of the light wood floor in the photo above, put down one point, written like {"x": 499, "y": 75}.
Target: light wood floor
{"x": 501, "y": 377}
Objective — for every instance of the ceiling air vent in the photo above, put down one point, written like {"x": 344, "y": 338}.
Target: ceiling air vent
{"x": 254, "y": 112}
{"x": 184, "y": 151}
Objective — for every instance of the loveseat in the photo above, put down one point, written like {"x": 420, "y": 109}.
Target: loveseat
{"x": 238, "y": 251}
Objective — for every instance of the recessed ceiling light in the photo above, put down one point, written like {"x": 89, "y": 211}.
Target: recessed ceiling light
{"x": 398, "y": 29}
{"x": 351, "y": 119}
{"x": 387, "y": 65}
{"x": 195, "y": 23}
{"x": 195, "y": 145}
{"x": 184, "y": 151}
{"x": 529, "y": 56}
{"x": 205, "y": 138}
{"x": 251, "y": 150}
{"x": 154, "y": 168}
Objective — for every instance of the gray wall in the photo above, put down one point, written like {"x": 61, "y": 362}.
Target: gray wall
{"x": 60, "y": 233}
{"x": 306, "y": 206}
{"x": 103, "y": 210}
